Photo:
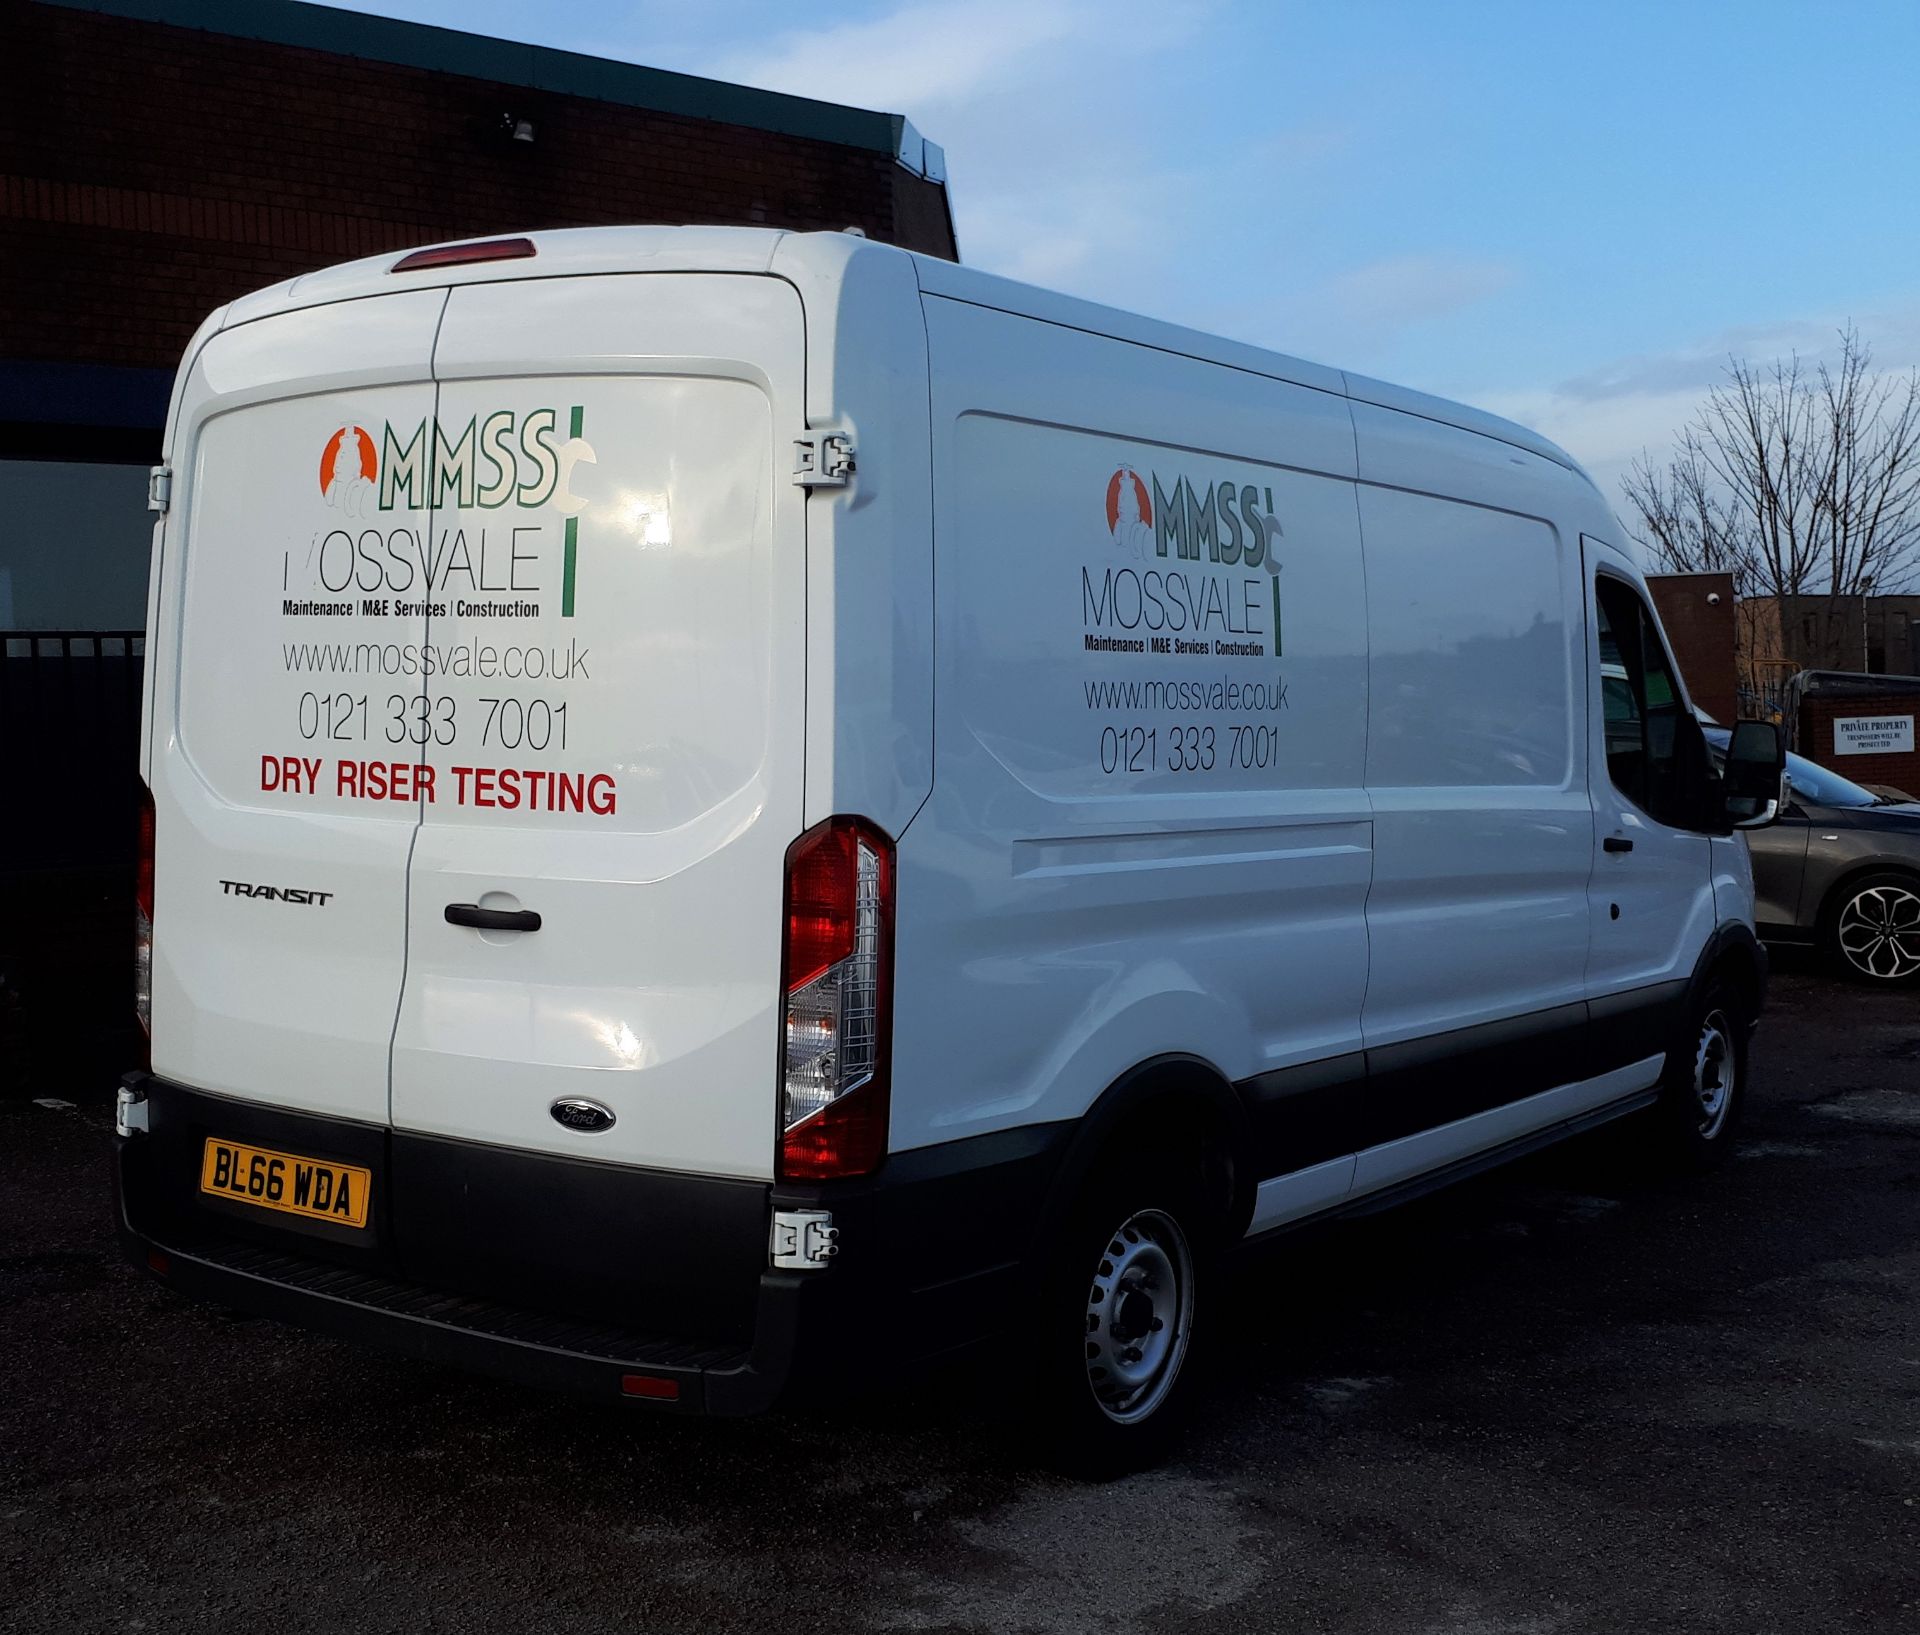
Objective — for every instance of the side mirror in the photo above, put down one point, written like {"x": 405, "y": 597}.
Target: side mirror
{"x": 1753, "y": 787}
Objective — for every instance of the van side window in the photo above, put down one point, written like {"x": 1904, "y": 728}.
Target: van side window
{"x": 1641, "y": 704}
{"x": 1468, "y": 688}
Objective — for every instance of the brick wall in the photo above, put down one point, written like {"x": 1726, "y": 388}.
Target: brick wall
{"x": 1815, "y": 739}
{"x": 1701, "y": 632}
{"x": 150, "y": 172}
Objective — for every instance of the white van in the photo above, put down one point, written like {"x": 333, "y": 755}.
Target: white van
{"x": 729, "y": 808}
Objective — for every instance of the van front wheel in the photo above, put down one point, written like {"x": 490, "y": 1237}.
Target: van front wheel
{"x": 1705, "y": 1083}
{"x": 1121, "y": 1307}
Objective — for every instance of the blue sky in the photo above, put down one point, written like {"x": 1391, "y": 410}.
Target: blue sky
{"x": 1569, "y": 214}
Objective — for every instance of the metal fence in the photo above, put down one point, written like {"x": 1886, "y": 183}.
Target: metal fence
{"x": 1766, "y": 702}
{"x": 69, "y": 746}
{"x": 69, "y": 803}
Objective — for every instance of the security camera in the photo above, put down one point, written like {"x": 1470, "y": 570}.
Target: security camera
{"x": 1713, "y": 598}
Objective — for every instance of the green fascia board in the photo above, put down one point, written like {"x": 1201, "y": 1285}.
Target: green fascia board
{"x": 536, "y": 67}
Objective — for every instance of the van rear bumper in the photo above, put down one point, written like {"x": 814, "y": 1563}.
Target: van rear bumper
{"x": 678, "y": 1310}
{"x": 527, "y": 1347}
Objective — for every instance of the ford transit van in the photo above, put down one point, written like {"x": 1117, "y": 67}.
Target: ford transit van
{"x": 732, "y": 810}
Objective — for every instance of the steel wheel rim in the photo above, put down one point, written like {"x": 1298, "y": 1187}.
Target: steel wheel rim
{"x": 1139, "y": 1316}
{"x": 1879, "y": 933}
{"x": 1714, "y": 1068}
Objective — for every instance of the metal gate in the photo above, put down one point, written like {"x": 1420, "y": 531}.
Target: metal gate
{"x": 69, "y": 802}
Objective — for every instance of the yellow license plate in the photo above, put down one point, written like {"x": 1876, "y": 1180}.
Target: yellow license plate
{"x": 316, "y": 1188}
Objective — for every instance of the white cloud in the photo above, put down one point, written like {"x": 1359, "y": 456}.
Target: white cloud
{"x": 1406, "y": 289}
{"x": 1069, "y": 127}
{"x": 1089, "y": 232}
{"x": 1603, "y": 433}
{"x": 1058, "y": 161}
{"x": 1606, "y": 417}
{"x": 921, "y": 57}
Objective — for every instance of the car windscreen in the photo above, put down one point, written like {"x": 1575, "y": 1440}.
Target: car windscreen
{"x": 1810, "y": 781}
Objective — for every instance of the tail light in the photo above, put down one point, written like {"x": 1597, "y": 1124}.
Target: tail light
{"x": 837, "y": 976}
{"x": 143, "y": 917}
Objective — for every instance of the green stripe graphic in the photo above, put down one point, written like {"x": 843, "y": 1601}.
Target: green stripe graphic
{"x": 575, "y": 420}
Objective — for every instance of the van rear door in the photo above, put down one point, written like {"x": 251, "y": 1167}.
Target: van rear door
{"x": 613, "y": 722}
{"x": 280, "y": 914}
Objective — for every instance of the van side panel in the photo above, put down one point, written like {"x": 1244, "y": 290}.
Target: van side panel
{"x": 1476, "y": 768}
{"x": 1147, "y": 833}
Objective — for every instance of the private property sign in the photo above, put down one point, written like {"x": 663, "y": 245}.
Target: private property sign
{"x": 1873, "y": 735}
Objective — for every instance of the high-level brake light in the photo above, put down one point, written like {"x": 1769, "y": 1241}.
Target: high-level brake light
{"x": 837, "y": 976}
{"x": 458, "y": 255}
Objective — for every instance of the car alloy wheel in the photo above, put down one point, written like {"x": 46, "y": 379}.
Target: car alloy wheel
{"x": 1879, "y": 932}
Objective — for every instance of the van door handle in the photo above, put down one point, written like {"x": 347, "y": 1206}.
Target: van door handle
{"x": 1613, "y": 843}
{"x": 492, "y": 919}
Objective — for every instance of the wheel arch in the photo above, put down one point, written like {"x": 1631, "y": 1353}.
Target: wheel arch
{"x": 1733, "y": 952}
{"x": 1173, "y": 1092}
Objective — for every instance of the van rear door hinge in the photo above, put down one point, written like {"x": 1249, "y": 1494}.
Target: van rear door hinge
{"x": 802, "y": 1239}
{"x": 160, "y": 489}
{"x": 823, "y": 459}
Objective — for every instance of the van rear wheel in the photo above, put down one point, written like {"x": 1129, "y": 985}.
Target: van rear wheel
{"x": 1118, "y": 1316}
{"x": 1139, "y": 1315}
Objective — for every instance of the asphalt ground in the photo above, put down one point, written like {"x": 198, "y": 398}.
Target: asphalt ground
{"x": 1570, "y": 1396}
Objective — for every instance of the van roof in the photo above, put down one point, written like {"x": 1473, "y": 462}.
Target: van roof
{"x": 568, "y": 252}
{"x": 1004, "y": 294}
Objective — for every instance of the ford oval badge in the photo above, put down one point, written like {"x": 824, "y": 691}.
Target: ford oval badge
{"x": 577, "y": 1113}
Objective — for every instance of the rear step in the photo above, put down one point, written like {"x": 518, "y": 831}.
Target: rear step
{"x": 526, "y": 1346}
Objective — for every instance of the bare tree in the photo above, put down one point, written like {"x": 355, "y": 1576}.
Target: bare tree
{"x": 1868, "y": 476}
{"x": 1685, "y": 519}
{"x": 1804, "y": 484}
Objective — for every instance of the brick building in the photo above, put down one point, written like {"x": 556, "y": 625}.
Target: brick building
{"x": 160, "y": 157}
{"x": 1872, "y": 634}
{"x": 1697, "y": 612}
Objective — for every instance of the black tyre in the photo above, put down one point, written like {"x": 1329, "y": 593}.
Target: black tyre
{"x": 1704, "y": 1090}
{"x": 1871, "y": 929}
{"x": 1121, "y": 1311}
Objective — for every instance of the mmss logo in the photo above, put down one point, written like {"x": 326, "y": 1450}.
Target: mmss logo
{"x": 276, "y": 894}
